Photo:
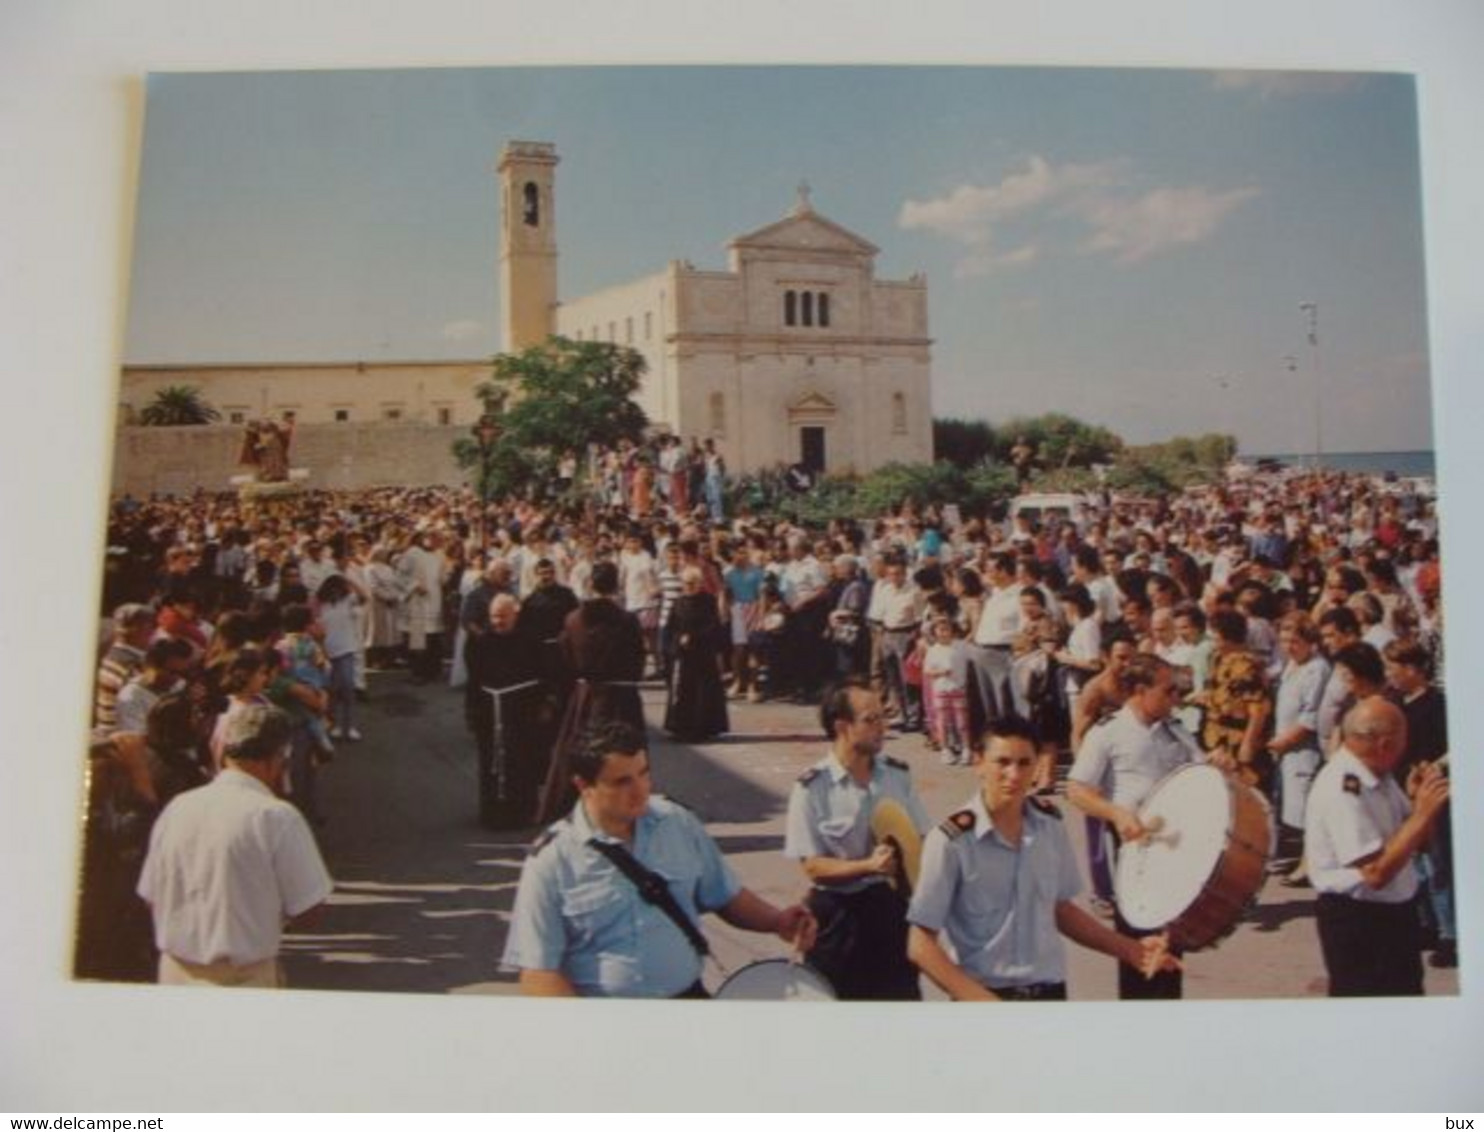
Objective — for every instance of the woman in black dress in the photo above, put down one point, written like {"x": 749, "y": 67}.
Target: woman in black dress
{"x": 698, "y": 702}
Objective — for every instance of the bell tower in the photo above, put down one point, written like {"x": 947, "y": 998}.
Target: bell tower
{"x": 528, "y": 250}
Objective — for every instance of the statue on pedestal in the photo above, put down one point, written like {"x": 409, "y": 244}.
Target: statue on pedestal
{"x": 265, "y": 447}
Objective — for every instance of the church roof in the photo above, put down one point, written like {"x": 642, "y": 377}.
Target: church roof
{"x": 803, "y": 229}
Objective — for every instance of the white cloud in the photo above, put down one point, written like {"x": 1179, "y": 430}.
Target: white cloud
{"x": 1098, "y": 196}
{"x": 461, "y": 330}
{"x": 1135, "y": 229}
{"x": 969, "y": 213}
{"x": 1281, "y": 84}
{"x": 1020, "y": 256}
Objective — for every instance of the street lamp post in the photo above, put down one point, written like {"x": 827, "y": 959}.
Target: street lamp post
{"x": 1311, "y": 311}
{"x": 486, "y": 431}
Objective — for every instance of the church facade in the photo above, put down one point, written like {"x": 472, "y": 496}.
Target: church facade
{"x": 796, "y": 352}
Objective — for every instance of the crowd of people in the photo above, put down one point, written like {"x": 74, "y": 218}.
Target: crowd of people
{"x": 1250, "y": 617}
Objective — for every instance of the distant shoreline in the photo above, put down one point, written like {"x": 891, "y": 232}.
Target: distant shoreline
{"x": 1418, "y": 462}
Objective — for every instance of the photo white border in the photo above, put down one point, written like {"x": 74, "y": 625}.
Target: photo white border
{"x": 71, "y": 105}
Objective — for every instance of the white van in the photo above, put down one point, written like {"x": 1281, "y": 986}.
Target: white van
{"x": 1042, "y": 507}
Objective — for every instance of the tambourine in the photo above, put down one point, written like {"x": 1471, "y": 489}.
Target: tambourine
{"x": 892, "y": 825}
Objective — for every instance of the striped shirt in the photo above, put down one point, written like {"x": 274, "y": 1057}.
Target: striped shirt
{"x": 671, "y": 588}
{"x": 120, "y": 665}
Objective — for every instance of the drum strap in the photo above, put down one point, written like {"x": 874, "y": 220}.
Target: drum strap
{"x": 653, "y": 889}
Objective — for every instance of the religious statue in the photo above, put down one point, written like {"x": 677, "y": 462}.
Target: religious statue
{"x": 265, "y": 446}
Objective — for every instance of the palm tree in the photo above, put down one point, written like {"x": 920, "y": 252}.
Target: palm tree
{"x": 178, "y": 405}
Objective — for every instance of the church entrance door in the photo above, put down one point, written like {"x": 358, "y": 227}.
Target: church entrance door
{"x": 811, "y": 439}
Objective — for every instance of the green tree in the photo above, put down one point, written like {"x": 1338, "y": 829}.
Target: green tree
{"x": 1069, "y": 479}
{"x": 1215, "y": 449}
{"x": 990, "y": 489}
{"x": 178, "y": 405}
{"x": 833, "y": 497}
{"x": 1140, "y": 476}
{"x": 963, "y": 443}
{"x": 1172, "y": 465}
{"x": 886, "y": 489}
{"x": 1060, "y": 441}
{"x": 552, "y": 400}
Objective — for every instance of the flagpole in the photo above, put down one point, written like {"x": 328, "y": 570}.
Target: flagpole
{"x": 1311, "y": 310}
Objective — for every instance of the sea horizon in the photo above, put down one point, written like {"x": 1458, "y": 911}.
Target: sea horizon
{"x": 1405, "y": 462}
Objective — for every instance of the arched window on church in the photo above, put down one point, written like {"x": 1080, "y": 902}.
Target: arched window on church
{"x": 808, "y": 309}
{"x": 824, "y": 309}
{"x": 718, "y": 414}
{"x": 899, "y": 412}
{"x": 790, "y": 308}
{"x": 531, "y": 215}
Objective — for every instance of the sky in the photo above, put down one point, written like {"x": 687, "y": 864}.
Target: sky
{"x": 1133, "y": 247}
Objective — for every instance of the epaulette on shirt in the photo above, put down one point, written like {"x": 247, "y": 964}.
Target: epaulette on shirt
{"x": 1173, "y": 728}
{"x": 1103, "y": 720}
{"x": 956, "y": 825}
{"x": 1351, "y": 784}
{"x": 1047, "y": 807}
{"x": 676, "y": 802}
{"x": 543, "y": 841}
{"x": 898, "y": 763}
{"x": 809, "y": 776}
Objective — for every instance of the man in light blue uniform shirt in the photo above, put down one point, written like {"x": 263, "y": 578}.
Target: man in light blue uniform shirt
{"x": 1295, "y": 742}
{"x": 998, "y": 879}
{"x": 1120, "y": 762}
{"x": 581, "y": 926}
{"x": 862, "y": 919}
{"x": 1362, "y": 838}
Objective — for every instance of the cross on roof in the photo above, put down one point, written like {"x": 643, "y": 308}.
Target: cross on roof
{"x": 803, "y": 205}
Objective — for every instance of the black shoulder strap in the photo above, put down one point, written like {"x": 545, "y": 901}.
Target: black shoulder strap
{"x": 653, "y": 890}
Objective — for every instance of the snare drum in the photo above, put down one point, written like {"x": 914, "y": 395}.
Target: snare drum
{"x": 776, "y": 980}
{"x": 1205, "y": 861}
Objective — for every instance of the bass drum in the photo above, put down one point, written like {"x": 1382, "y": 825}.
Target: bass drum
{"x": 776, "y": 980}
{"x": 1201, "y": 868}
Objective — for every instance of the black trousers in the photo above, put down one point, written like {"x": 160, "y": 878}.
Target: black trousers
{"x": 862, "y": 944}
{"x": 1036, "y": 992}
{"x": 1369, "y": 949}
{"x": 1132, "y": 984}
{"x": 427, "y": 663}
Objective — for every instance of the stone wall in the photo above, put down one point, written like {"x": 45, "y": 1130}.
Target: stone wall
{"x": 338, "y": 456}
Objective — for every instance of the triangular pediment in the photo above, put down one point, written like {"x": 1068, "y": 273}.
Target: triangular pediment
{"x": 806, "y": 231}
{"x": 812, "y": 402}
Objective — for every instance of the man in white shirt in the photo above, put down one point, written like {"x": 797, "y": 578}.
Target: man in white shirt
{"x": 805, "y": 587}
{"x": 994, "y": 635}
{"x": 230, "y": 864}
{"x": 1120, "y": 761}
{"x": 898, "y": 606}
{"x": 1087, "y": 570}
{"x": 421, "y": 568}
{"x": 640, "y": 581}
{"x": 1361, "y": 838}
{"x": 315, "y": 566}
